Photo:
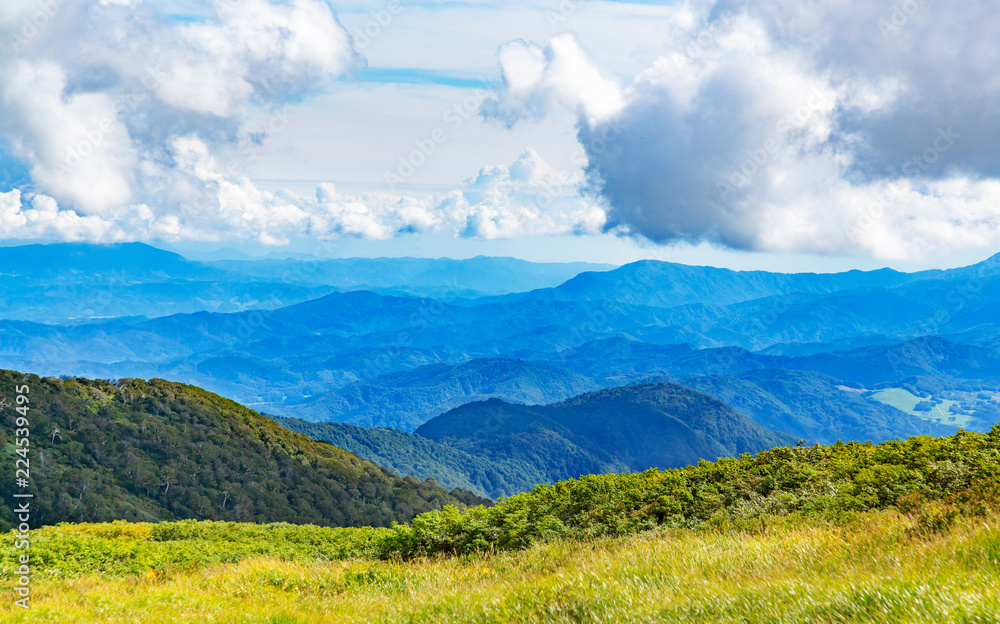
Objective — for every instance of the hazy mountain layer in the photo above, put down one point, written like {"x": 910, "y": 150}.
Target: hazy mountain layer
{"x": 501, "y": 448}
{"x": 408, "y": 399}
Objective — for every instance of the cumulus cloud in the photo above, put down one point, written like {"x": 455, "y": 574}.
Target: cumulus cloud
{"x": 832, "y": 127}
{"x": 526, "y": 198}
{"x": 560, "y": 74}
{"x": 136, "y": 120}
{"x": 135, "y": 124}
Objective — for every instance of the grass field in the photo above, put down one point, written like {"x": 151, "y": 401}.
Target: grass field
{"x": 905, "y": 401}
{"x": 903, "y": 531}
{"x": 878, "y": 568}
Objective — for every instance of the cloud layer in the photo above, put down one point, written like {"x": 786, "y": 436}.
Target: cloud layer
{"x": 121, "y": 111}
{"x": 135, "y": 123}
{"x": 847, "y": 128}
{"x": 837, "y": 127}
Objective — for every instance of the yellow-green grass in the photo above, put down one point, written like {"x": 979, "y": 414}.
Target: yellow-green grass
{"x": 905, "y": 400}
{"x": 879, "y": 567}
{"x": 124, "y": 548}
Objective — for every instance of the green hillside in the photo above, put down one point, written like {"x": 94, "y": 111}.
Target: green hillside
{"x": 896, "y": 532}
{"x": 940, "y": 477}
{"x": 631, "y": 428}
{"x": 409, "y": 454}
{"x": 934, "y": 480}
{"x": 157, "y": 450}
{"x": 813, "y": 406}
{"x": 499, "y": 448}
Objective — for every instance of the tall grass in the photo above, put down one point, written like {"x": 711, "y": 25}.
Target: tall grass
{"x": 882, "y": 567}
{"x": 897, "y": 532}
{"x": 123, "y": 548}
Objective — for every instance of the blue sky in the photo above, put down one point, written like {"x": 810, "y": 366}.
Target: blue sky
{"x": 778, "y": 135}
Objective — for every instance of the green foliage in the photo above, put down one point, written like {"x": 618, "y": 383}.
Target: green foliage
{"x": 501, "y": 449}
{"x": 151, "y": 451}
{"x": 123, "y": 548}
{"x": 827, "y": 482}
{"x": 875, "y": 568}
{"x": 931, "y": 483}
{"x": 408, "y": 454}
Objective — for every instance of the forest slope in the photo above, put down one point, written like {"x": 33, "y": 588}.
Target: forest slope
{"x": 158, "y": 450}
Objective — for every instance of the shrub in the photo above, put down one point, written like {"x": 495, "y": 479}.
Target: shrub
{"x": 920, "y": 475}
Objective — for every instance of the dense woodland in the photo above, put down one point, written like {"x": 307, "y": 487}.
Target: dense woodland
{"x": 934, "y": 482}
{"x": 409, "y": 454}
{"x": 150, "y": 451}
{"x": 501, "y": 448}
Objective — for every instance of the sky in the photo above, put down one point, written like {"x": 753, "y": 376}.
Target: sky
{"x": 778, "y": 134}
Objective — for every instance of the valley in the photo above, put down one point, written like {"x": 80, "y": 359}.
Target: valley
{"x": 480, "y": 312}
{"x": 349, "y": 431}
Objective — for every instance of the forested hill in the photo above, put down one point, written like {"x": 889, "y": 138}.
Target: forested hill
{"x": 636, "y": 427}
{"x": 149, "y": 451}
{"x": 501, "y": 448}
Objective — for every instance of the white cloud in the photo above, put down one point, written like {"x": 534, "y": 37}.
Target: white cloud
{"x": 43, "y": 219}
{"x": 806, "y": 127}
{"x": 527, "y": 198}
{"x": 77, "y": 148}
{"x": 254, "y": 50}
{"x": 137, "y": 123}
{"x": 561, "y": 74}
{"x": 786, "y": 126}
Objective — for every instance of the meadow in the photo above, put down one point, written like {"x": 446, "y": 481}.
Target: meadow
{"x": 879, "y": 567}
{"x": 904, "y": 531}
{"x": 906, "y": 401}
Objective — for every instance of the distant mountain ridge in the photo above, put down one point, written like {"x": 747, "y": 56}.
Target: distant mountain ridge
{"x": 636, "y": 427}
{"x": 77, "y": 282}
{"x": 405, "y": 400}
{"x": 129, "y": 261}
{"x": 502, "y": 448}
{"x": 422, "y": 277}
{"x": 667, "y": 284}
{"x": 927, "y": 355}
{"x": 812, "y": 406}
{"x": 300, "y": 341}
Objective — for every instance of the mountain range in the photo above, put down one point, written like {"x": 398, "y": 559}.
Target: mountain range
{"x": 406, "y": 400}
{"x": 378, "y": 342}
{"x": 79, "y": 283}
{"x": 498, "y": 448}
{"x": 271, "y": 356}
